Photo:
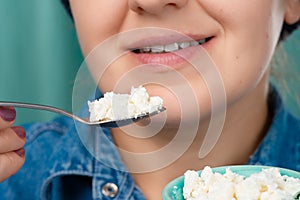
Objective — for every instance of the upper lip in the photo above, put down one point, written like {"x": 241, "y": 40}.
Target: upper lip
{"x": 147, "y": 40}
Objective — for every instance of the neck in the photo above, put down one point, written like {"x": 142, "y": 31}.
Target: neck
{"x": 245, "y": 125}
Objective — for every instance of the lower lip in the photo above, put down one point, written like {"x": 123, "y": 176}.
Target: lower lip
{"x": 169, "y": 61}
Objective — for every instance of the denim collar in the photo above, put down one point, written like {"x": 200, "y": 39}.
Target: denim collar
{"x": 281, "y": 145}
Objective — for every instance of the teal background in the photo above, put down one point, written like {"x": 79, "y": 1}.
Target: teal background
{"x": 40, "y": 55}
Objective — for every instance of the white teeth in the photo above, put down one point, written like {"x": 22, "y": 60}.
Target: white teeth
{"x": 184, "y": 44}
{"x": 146, "y": 49}
{"x": 170, "y": 47}
{"x": 194, "y": 43}
{"x": 157, "y": 49}
{"x": 202, "y": 41}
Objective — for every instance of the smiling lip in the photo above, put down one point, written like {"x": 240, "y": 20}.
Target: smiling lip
{"x": 163, "y": 61}
{"x": 172, "y": 59}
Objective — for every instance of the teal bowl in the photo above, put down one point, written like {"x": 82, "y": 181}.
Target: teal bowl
{"x": 173, "y": 190}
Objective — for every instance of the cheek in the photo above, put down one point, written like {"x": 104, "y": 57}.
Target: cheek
{"x": 255, "y": 20}
{"x": 247, "y": 39}
{"x": 242, "y": 64}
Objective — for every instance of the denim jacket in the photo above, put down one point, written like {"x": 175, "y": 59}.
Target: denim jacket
{"x": 59, "y": 166}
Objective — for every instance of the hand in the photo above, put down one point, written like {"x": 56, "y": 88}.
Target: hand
{"x": 12, "y": 140}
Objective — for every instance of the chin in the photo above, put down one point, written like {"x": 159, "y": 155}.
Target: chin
{"x": 181, "y": 106}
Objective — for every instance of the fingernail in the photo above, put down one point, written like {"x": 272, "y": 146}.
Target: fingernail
{"x": 20, "y": 152}
{"x": 19, "y": 131}
{"x": 7, "y": 113}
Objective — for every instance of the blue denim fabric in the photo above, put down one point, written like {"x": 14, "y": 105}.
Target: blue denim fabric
{"x": 281, "y": 146}
{"x": 59, "y": 166}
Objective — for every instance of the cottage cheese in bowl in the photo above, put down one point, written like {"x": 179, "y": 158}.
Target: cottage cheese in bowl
{"x": 238, "y": 182}
{"x": 268, "y": 184}
{"x": 124, "y": 106}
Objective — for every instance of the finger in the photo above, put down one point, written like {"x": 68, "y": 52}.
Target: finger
{"x": 10, "y": 163}
{"x": 7, "y": 116}
{"x": 12, "y": 139}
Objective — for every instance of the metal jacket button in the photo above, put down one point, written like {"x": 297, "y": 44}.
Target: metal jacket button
{"x": 110, "y": 190}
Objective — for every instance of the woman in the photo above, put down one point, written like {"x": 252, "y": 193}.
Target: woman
{"x": 240, "y": 38}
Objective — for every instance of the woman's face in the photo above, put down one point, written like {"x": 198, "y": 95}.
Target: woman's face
{"x": 242, "y": 37}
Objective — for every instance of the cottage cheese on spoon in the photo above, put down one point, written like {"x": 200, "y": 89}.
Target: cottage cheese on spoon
{"x": 124, "y": 106}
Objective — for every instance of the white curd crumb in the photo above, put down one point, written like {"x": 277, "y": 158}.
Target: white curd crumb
{"x": 123, "y": 106}
{"x": 268, "y": 184}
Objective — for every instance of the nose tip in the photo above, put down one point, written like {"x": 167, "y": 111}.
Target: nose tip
{"x": 154, "y": 6}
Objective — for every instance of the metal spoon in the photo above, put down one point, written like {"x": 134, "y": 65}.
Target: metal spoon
{"x": 297, "y": 196}
{"x": 106, "y": 123}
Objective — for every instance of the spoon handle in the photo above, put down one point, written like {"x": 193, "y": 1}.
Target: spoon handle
{"x": 41, "y": 107}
